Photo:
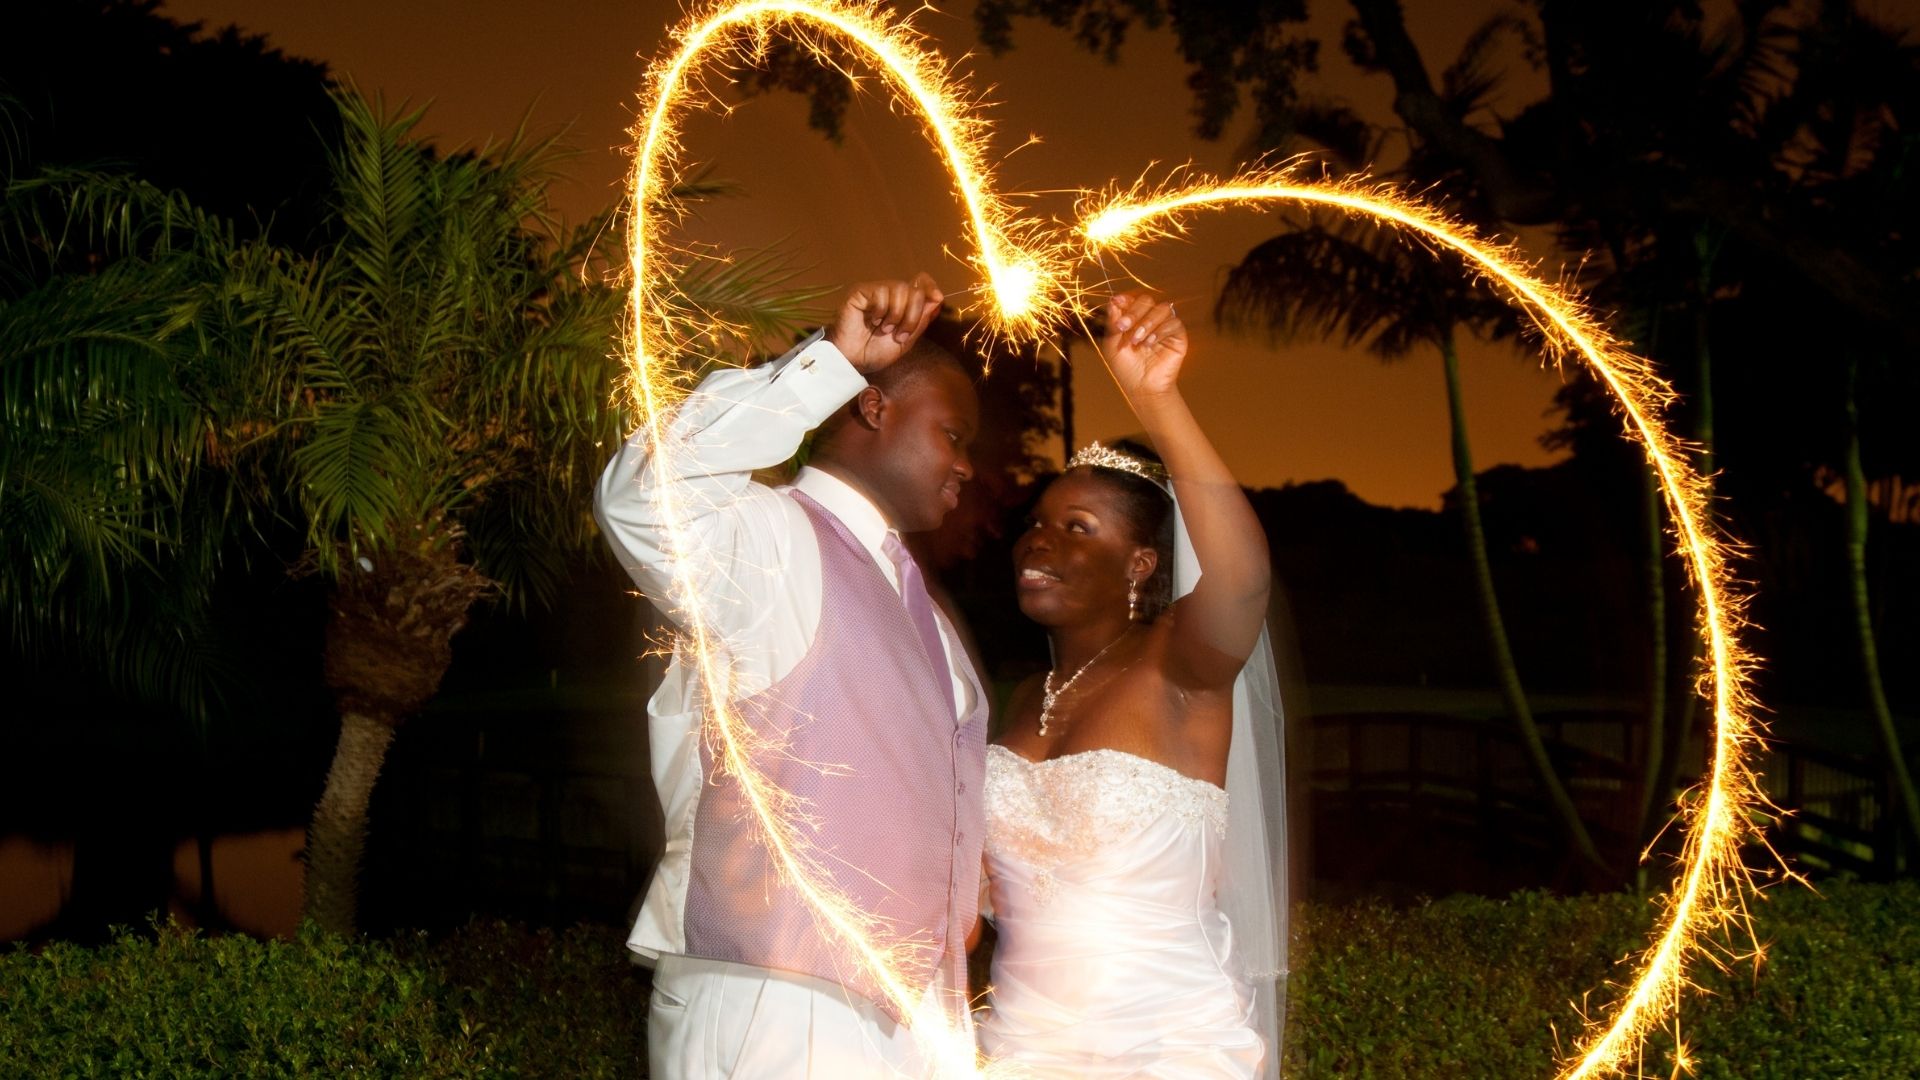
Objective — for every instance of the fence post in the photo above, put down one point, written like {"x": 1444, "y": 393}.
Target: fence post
{"x": 1483, "y": 779}
{"x": 1886, "y": 845}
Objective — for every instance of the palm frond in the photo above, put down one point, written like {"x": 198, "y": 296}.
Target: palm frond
{"x": 1470, "y": 80}
{"x": 745, "y": 302}
{"x": 352, "y": 467}
{"x": 1358, "y": 284}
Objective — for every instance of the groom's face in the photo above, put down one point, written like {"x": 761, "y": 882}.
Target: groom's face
{"x": 920, "y": 458}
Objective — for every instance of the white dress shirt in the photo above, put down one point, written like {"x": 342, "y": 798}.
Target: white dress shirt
{"x": 757, "y": 569}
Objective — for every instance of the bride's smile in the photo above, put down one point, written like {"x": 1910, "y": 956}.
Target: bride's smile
{"x": 1077, "y": 558}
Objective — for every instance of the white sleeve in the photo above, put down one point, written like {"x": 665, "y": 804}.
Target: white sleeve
{"x": 737, "y": 420}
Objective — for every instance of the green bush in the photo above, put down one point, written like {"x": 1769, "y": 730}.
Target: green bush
{"x": 1459, "y": 988}
{"x": 566, "y": 1004}
{"x": 1468, "y": 987}
{"x": 488, "y": 1001}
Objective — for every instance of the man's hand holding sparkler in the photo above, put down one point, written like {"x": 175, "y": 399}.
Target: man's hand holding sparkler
{"x": 880, "y": 320}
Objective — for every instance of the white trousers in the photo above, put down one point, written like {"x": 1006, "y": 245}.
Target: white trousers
{"x": 712, "y": 1020}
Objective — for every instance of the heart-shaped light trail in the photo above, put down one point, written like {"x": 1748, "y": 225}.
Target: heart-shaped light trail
{"x": 1025, "y": 271}
{"x": 1713, "y": 883}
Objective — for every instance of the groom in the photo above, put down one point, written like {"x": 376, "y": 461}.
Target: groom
{"x": 838, "y": 657}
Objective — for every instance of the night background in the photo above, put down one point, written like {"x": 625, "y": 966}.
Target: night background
{"x": 306, "y": 313}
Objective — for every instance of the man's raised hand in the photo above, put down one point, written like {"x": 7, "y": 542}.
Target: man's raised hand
{"x": 880, "y": 320}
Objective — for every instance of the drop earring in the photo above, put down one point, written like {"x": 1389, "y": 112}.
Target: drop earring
{"x": 1133, "y": 600}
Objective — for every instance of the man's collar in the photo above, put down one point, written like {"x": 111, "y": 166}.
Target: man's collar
{"x": 855, "y": 511}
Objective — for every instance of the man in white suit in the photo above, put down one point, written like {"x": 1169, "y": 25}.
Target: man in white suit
{"x": 840, "y": 655}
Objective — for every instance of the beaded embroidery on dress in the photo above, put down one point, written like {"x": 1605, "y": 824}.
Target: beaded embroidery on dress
{"x": 1047, "y": 812}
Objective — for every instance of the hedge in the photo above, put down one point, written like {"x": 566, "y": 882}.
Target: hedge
{"x": 489, "y": 1001}
{"x": 1474, "y": 988}
{"x": 1458, "y": 988}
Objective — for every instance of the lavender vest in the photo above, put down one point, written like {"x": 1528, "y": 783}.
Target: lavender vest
{"x": 897, "y": 816}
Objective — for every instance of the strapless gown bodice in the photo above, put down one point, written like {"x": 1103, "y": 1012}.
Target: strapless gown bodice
{"x": 1113, "y": 957}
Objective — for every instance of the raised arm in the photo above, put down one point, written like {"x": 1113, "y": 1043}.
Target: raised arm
{"x": 1217, "y": 624}
{"x": 737, "y": 421}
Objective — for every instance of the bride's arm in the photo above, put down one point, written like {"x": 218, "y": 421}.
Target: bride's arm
{"x": 1217, "y": 624}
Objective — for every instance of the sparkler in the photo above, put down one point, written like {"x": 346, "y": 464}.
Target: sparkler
{"x": 1709, "y": 893}
{"x": 1020, "y": 264}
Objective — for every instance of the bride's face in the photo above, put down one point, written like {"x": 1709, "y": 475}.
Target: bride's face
{"x": 1077, "y": 556}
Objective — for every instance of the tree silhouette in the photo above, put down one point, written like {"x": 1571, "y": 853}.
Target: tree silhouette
{"x": 1711, "y": 159}
{"x": 1371, "y": 289}
{"x": 221, "y": 116}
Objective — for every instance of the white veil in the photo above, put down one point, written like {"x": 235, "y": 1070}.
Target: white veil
{"x": 1253, "y": 887}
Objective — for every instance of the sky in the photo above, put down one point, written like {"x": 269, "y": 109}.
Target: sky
{"x": 878, "y": 205}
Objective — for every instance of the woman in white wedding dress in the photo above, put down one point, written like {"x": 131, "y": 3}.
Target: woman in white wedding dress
{"x": 1107, "y": 799}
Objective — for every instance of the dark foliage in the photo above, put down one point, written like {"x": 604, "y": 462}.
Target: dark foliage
{"x": 1474, "y": 988}
{"x": 1463, "y": 987}
{"x": 119, "y": 85}
{"x": 489, "y": 1000}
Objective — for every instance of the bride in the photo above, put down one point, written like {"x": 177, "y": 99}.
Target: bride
{"x": 1137, "y": 904}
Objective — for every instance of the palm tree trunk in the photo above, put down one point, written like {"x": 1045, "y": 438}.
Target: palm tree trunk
{"x": 1856, "y": 482}
{"x": 389, "y": 643}
{"x": 1509, "y": 674}
{"x": 1703, "y": 438}
{"x": 1652, "y": 795}
{"x": 337, "y": 836}
{"x": 1654, "y": 535}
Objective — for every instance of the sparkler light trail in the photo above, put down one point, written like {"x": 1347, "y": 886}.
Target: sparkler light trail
{"x": 1709, "y": 892}
{"x": 1024, "y": 270}
{"x": 1020, "y": 264}
{"x": 1021, "y": 271}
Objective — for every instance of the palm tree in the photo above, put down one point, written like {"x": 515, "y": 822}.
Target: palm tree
{"x": 114, "y": 525}
{"x": 443, "y": 379}
{"x": 108, "y": 512}
{"x": 428, "y": 397}
{"x": 1370, "y": 288}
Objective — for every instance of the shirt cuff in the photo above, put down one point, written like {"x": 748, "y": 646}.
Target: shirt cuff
{"x": 818, "y": 377}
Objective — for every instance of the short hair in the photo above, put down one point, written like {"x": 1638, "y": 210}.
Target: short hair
{"x": 921, "y": 360}
{"x": 1147, "y": 509}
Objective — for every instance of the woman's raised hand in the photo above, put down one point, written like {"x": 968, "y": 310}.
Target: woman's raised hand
{"x": 1146, "y": 344}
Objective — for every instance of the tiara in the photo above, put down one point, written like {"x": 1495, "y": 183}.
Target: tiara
{"x": 1102, "y": 457}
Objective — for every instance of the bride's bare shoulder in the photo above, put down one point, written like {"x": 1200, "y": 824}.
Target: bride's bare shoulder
{"x": 1024, "y": 698}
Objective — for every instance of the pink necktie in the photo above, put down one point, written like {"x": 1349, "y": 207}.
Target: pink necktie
{"x": 913, "y": 593}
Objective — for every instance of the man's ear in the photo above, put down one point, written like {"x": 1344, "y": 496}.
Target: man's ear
{"x": 867, "y": 407}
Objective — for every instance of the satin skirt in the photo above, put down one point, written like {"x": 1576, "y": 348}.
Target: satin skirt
{"x": 1113, "y": 959}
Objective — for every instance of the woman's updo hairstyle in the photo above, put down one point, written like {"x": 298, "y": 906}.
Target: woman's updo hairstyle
{"x": 1137, "y": 477}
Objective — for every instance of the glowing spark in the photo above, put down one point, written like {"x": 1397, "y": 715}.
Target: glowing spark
{"x": 1020, "y": 264}
{"x": 1021, "y": 271}
{"x": 1709, "y": 893}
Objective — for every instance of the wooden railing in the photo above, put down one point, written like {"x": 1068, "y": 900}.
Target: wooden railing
{"x": 1457, "y": 773}
{"x": 1839, "y": 813}
{"x": 551, "y": 817}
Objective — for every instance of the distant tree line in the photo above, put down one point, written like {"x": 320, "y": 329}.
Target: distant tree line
{"x": 1742, "y": 183}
